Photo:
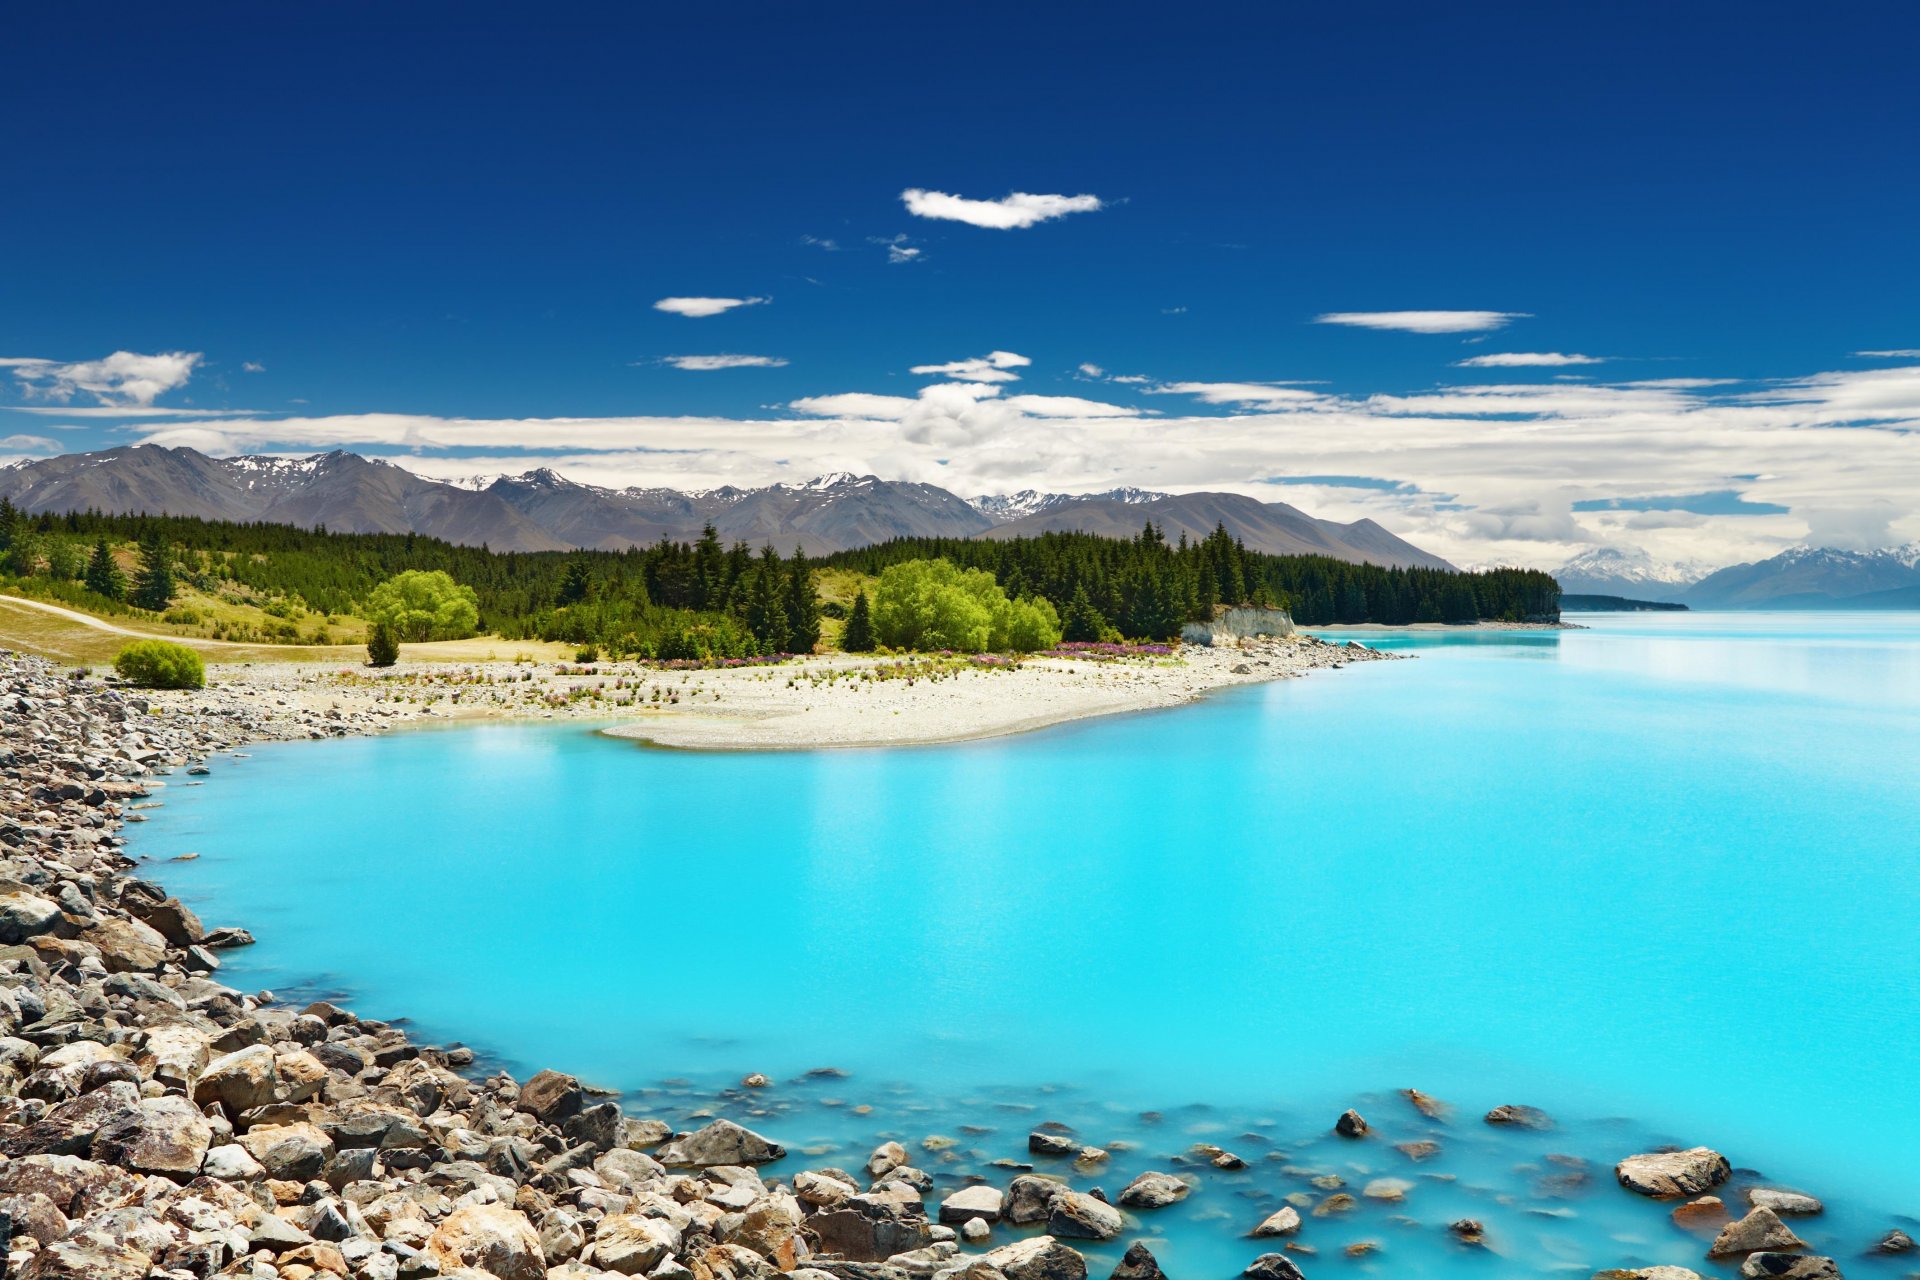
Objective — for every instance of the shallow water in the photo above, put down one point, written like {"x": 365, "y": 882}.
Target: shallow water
{"x": 1662, "y": 869}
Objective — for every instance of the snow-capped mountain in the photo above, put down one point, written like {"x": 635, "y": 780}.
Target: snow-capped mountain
{"x": 1816, "y": 578}
{"x": 1612, "y": 571}
{"x": 1001, "y": 507}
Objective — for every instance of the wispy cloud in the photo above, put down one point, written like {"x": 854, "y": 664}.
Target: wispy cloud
{"x": 1899, "y": 353}
{"x": 706, "y": 364}
{"x": 700, "y": 307}
{"x": 252, "y": 366}
{"x": 1423, "y": 321}
{"x": 1526, "y": 360}
{"x": 822, "y": 242}
{"x": 900, "y": 249}
{"x": 124, "y": 378}
{"x": 29, "y": 444}
{"x": 995, "y": 366}
{"x": 1011, "y": 212}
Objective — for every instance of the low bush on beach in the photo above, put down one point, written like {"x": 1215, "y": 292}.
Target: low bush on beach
{"x": 160, "y": 664}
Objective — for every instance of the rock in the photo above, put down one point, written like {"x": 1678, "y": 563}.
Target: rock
{"x": 1760, "y": 1229}
{"x": 886, "y": 1157}
{"x": 1789, "y": 1266}
{"x": 1272, "y": 1266}
{"x": 1153, "y": 1190}
{"x": 551, "y": 1097}
{"x": 490, "y": 1238}
{"x": 755, "y": 1080}
{"x": 1283, "y": 1221}
{"x": 239, "y": 1081}
{"x": 171, "y": 919}
{"x": 633, "y": 1245}
{"x": 1350, "y": 1125}
{"x": 821, "y": 1190}
{"x": 1895, "y": 1241}
{"x": 721, "y": 1142}
{"x": 1650, "y": 1273}
{"x": 1389, "y": 1189}
{"x": 1468, "y": 1230}
{"x": 232, "y": 1162}
{"x": 976, "y": 1230}
{"x": 1706, "y": 1213}
{"x": 1430, "y": 1107}
{"x": 127, "y": 946}
{"x": 1081, "y": 1217}
{"x": 1424, "y": 1149}
{"x": 1520, "y": 1117}
{"x": 1040, "y": 1258}
{"x": 1138, "y": 1264}
{"x": 1051, "y": 1144}
{"x": 86, "y": 1260}
{"x": 25, "y": 915}
{"x": 1030, "y": 1198}
{"x": 1673, "y": 1173}
{"x": 870, "y": 1229}
{"x": 1788, "y": 1202}
{"x": 292, "y": 1152}
{"x": 972, "y": 1202}
{"x": 165, "y": 1136}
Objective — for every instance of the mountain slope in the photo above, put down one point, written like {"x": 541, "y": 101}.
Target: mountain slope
{"x": 1610, "y": 571}
{"x": 1812, "y": 578}
{"x": 1272, "y": 527}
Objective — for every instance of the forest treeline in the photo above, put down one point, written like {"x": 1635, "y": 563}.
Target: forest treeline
{"x": 707, "y": 599}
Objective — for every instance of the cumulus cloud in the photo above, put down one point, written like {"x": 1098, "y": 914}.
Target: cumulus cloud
{"x": 1021, "y": 209}
{"x": 1526, "y": 360}
{"x": 1423, "y": 321}
{"x": 125, "y": 378}
{"x": 706, "y": 364}
{"x": 995, "y": 366}
{"x": 699, "y": 307}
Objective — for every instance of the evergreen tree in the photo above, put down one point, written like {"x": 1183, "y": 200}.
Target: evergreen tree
{"x": 709, "y": 570}
{"x": 803, "y": 606}
{"x": 153, "y": 585}
{"x": 103, "y": 575}
{"x": 383, "y": 645}
{"x": 766, "y": 607}
{"x": 575, "y": 583}
{"x": 1081, "y": 623}
{"x": 858, "y": 637}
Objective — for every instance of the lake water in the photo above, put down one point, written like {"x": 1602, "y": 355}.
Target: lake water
{"x": 1658, "y": 877}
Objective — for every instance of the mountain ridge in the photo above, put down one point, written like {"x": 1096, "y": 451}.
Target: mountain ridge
{"x": 542, "y": 510}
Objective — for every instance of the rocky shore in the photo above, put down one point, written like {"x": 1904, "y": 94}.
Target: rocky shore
{"x": 156, "y": 1123}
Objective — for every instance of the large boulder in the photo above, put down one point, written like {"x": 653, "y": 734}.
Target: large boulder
{"x": 1790, "y": 1202}
{"x": 551, "y": 1097}
{"x": 633, "y": 1245}
{"x": 69, "y": 1129}
{"x": 239, "y": 1081}
{"x": 127, "y": 946}
{"x": 165, "y": 1136}
{"x": 1761, "y": 1229}
{"x": 76, "y": 1187}
{"x": 1272, "y": 1266}
{"x": 1138, "y": 1264}
{"x": 871, "y": 1228}
{"x": 1283, "y": 1221}
{"x": 25, "y": 915}
{"x": 292, "y": 1152}
{"x": 1152, "y": 1190}
{"x": 1038, "y": 1258}
{"x": 490, "y": 1238}
{"x": 1079, "y": 1216}
{"x": 972, "y": 1202}
{"x": 1030, "y": 1198}
{"x": 84, "y": 1259}
{"x": 722, "y": 1142}
{"x": 1673, "y": 1173}
{"x": 170, "y": 918}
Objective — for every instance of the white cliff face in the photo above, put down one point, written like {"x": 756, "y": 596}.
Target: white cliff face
{"x": 1243, "y": 623}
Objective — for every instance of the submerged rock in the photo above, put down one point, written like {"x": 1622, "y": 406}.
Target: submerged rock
{"x": 1153, "y": 1190}
{"x": 1895, "y": 1241}
{"x": 1427, "y": 1105}
{"x": 1673, "y": 1173}
{"x": 1788, "y": 1202}
{"x": 1520, "y": 1117}
{"x": 1350, "y": 1125}
{"x": 1789, "y": 1266}
{"x": 1283, "y": 1221}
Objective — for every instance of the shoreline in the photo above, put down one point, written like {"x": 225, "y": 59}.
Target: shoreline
{"x": 169, "y": 1123}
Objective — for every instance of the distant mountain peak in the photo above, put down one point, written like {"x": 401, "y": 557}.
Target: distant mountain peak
{"x": 1031, "y": 502}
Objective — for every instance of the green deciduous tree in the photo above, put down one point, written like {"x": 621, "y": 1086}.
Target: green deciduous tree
{"x": 424, "y": 605}
{"x": 935, "y": 604}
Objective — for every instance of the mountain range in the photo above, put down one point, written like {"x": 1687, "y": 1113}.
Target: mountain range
{"x": 1797, "y": 578}
{"x": 544, "y": 511}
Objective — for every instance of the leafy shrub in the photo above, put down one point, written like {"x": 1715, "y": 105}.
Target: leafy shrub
{"x": 935, "y": 604}
{"x": 587, "y": 653}
{"x": 160, "y": 664}
{"x": 383, "y": 645}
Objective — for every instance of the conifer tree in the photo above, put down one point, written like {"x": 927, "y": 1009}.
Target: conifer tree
{"x": 103, "y": 575}
{"x": 575, "y": 583}
{"x": 153, "y": 585}
{"x": 803, "y": 605}
{"x": 1082, "y": 623}
{"x": 858, "y": 636}
{"x": 766, "y": 607}
{"x": 383, "y": 645}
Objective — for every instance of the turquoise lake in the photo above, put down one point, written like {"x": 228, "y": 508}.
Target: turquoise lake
{"x": 1660, "y": 877}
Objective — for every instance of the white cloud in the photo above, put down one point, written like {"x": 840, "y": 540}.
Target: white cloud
{"x": 30, "y": 444}
{"x": 1020, "y": 209}
{"x": 1902, "y": 353}
{"x": 252, "y": 366}
{"x": 1268, "y": 395}
{"x": 124, "y": 378}
{"x": 698, "y": 307}
{"x": 706, "y": 364}
{"x": 822, "y": 242}
{"x": 1423, "y": 321}
{"x": 1090, "y": 370}
{"x": 900, "y": 249}
{"x": 995, "y": 366}
{"x": 1526, "y": 360}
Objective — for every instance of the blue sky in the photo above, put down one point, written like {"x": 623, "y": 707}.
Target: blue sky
{"x": 414, "y": 221}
